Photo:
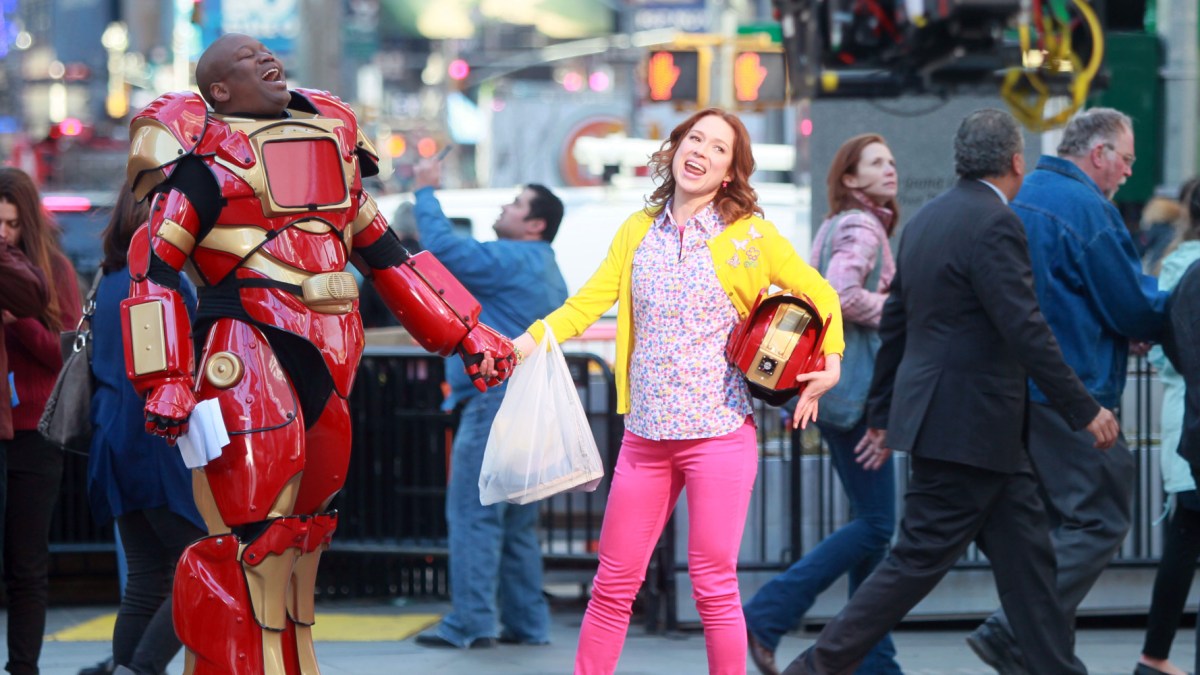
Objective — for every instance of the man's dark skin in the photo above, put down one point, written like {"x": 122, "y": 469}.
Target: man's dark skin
{"x": 238, "y": 75}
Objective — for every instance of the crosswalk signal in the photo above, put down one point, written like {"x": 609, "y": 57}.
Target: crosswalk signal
{"x": 760, "y": 78}
{"x": 678, "y": 76}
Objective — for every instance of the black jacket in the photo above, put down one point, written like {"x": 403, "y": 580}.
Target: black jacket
{"x": 961, "y": 330}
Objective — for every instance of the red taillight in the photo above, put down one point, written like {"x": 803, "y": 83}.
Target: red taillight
{"x": 60, "y": 203}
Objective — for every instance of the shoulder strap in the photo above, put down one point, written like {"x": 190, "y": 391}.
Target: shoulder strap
{"x": 83, "y": 329}
{"x": 827, "y": 250}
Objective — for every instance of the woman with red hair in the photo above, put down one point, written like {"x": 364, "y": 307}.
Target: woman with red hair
{"x": 683, "y": 272}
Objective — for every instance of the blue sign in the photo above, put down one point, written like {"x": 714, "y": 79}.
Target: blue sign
{"x": 690, "y": 16}
{"x": 275, "y": 22}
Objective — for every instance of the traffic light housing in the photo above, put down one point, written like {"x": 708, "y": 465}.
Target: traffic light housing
{"x": 760, "y": 78}
{"x": 678, "y": 76}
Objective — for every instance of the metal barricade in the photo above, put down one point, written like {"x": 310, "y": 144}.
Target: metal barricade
{"x": 392, "y": 536}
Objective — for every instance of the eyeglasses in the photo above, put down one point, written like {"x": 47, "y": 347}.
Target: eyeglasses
{"x": 1128, "y": 159}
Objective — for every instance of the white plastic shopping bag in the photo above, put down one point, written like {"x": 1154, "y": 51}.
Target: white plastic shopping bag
{"x": 540, "y": 443}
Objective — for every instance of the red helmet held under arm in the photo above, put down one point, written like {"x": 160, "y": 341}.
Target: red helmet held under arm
{"x": 780, "y": 339}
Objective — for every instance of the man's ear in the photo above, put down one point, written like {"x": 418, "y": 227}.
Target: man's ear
{"x": 218, "y": 91}
{"x": 1018, "y": 165}
{"x": 536, "y": 226}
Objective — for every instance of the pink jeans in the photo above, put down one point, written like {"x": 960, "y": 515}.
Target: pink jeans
{"x": 719, "y": 475}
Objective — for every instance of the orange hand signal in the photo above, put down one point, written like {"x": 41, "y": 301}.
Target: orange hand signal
{"x": 662, "y": 76}
{"x": 748, "y": 76}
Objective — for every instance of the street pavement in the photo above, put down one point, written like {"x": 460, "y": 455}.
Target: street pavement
{"x": 76, "y": 638}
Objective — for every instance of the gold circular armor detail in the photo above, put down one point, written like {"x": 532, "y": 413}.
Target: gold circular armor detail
{"x": 223, "y": 370}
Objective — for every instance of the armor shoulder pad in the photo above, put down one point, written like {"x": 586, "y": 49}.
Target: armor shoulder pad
{"x": 160, "y": 135}
{"x": 328, "y": 105}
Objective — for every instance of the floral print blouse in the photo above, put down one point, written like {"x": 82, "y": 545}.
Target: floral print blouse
{"x": 682, "y": 386}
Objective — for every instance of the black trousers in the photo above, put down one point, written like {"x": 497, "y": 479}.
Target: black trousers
{"x": 153, "y": 539}
{"x": 949, "y": 505}
{"x": 34, "y": 473}
{"x": 1181, "y": 548}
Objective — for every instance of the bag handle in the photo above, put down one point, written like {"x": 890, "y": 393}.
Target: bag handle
{"x": 82, "y": 333}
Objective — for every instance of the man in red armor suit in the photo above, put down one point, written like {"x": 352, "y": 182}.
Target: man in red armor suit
{"x": 262, "y": 191}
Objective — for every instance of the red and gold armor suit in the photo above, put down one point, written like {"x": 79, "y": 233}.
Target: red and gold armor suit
{"x": 269, "y": 212}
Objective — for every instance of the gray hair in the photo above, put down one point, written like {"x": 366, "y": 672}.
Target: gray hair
{"x": 985, "y": 144}
{"x": 1091, "y": 128}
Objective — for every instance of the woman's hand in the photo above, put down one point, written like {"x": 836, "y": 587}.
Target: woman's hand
{"x": 523, "y": 346}
{"x": 815, "y": 385}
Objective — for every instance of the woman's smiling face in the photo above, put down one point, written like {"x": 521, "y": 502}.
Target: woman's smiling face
{"x": 703, "y": 158}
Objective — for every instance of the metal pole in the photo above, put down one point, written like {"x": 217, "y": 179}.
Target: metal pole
{"x": 1177, "y": 26}
{"x": 722, "y": 76}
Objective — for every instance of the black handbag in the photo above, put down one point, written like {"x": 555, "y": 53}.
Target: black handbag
{"x": 67, "y": 419}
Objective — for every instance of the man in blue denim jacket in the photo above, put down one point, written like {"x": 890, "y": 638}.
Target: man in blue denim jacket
{"x": 1092, "y": 291}
{"x": 495, "y": 554}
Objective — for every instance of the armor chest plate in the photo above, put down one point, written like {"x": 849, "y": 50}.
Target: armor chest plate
{"x": 294, "y": 166}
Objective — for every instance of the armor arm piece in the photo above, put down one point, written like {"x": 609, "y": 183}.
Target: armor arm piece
{"x": 158, "y": 350}
{"x": 174, "y": 226}
{"x": 442, "y": 316}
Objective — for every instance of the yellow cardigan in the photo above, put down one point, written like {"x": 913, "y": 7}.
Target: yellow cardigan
{"x": 748, "y": 256}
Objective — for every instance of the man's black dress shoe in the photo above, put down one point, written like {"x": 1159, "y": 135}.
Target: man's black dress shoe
{"x": 435, "y": 640}
{"x": 762, "y": 657}
{"x": 994, "y": 650}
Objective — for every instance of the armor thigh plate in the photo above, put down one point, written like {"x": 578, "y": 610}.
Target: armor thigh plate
{"x": 261, "y": 414}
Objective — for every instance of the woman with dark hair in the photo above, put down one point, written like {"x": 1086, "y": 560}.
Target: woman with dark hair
{"x": 1181, "y": 531}
{"x": 683, "y": 271}
{"x": 132, "y": 475}
{"x": 34, "y": 464}
{"x": 851, "y": 250}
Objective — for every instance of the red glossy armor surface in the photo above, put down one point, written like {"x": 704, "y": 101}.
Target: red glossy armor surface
{"x": 182, "y": 112}
{"x": 435, "y": 308}
{"x": 299, "y": 175}
{"x": 212, "y": 611}
{"x": 263, "y": 419}
{"x": 176, "y": 344}
{"x": 749, "y": 335}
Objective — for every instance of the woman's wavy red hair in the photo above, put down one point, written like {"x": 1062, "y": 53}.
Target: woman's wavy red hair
{"x": 733, "y": 201}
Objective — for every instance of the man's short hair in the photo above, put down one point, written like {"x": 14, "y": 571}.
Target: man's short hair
{"x": 985, "y": 144}
{"x": 1091, "y": 128}
{"x": 548, "y": 207}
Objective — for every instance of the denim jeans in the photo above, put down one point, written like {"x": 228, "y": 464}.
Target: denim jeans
{"x": 854, "y": 549}
{"x": 495, "y": 554}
